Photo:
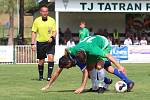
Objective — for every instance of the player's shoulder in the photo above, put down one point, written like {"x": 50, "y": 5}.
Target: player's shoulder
{"x": 100, "y": 36}
{"x": 51, "y": 19}
{"x": 37, "y": 19}
{"x": 86, "y": 29}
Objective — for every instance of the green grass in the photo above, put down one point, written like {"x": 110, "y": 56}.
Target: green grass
{"x": 18, "y": 82}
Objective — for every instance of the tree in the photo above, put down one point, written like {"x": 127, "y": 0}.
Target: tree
{"x": 21, "y": 21}
{"x": 8, "y": 6}
{"x": 30, "y": 4}
{"x": 11, "y": 11}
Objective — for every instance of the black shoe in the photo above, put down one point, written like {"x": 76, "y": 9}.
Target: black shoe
{"x": 101, "y": 90}
{"x": 110, "y": 81}
{"x": 91, "y": 90}
{"x": 41, "y": 79}
{"x": 130, "y": 86}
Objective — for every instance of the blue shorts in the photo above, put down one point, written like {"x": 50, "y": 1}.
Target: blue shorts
{"x": 107, "y": 64}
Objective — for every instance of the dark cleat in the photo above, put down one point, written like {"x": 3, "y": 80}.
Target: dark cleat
{"x": 91, "y": 90}
{"x": 110, "y": 81}
{"x": 101, "y": 90}
{"x": 41, "y": 79}
{"x": 107, "y": 83}
{"x": 130, "y": 86}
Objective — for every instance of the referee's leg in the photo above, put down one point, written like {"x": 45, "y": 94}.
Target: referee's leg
{"x": 50, "y": 66}
{"x": 50, "y": 53}
{"x": 41, "y": 55}
{"x": 41, "y": 68}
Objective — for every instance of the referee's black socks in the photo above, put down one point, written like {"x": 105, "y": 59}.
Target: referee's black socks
{"x": 40, "y": 68}
{"x": 50, "y": 70}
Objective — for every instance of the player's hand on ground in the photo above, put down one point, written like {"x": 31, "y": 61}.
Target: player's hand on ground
{"x": 33, "y": 47}
{"x": 45, "y": 88}
{"x": 79, "y": 90}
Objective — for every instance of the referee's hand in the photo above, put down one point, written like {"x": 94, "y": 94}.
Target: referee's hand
{"x": 33, "y": 47}
{"x": 50, "y": 40}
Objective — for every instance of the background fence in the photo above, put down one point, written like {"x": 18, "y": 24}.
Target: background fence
{"x": 23, "y": 54}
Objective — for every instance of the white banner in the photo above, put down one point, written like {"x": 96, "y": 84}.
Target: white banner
{"x": 6, "y": 53}
{"x": 102, "y": 5}
{"x": 59, "y": 52}
{"x": 138, "y": 54}
{"x": 130, "y": 54}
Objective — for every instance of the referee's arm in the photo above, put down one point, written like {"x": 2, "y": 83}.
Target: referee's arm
{"x": 54, "y": 29}
{"x": 33, "y": 37}
{"x": 34, "y": 30}
{"x": 53, "y": 36}
{"x": 33, "y": 41}
{"x": 54, "y": 33}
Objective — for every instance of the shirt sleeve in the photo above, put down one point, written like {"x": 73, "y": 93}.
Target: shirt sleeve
{"x": 54, "y": 26}
{"x": 34, "y": 26}
{"x": 72, "y": 50}
{"x": 87, "y": 33}
{"x": 81, "y": 66}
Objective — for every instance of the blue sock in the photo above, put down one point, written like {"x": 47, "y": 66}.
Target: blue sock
{"x": 121, "y": 76}
{"x": 106, "y": 80}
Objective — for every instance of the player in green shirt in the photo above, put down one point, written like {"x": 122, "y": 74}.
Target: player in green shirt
{"x": 99, "y": 47}
{"x": 83, "y": 32}
{"x": 96, "y": 45}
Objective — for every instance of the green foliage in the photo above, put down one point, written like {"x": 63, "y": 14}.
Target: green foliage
{"x": 7, "y": 6}
{"x": 30, "y": 4}
{"x": 17, "y": 82}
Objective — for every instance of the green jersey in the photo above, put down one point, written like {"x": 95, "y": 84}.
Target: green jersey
{"x": 83, "y": 33}
{"x": 97, "y": 46}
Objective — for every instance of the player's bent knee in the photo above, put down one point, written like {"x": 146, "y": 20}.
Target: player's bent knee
{"x": 50, "y": 57}
{"x": 41, "y": 61}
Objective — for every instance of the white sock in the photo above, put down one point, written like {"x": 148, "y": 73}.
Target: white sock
{"x": 101, "y": 75}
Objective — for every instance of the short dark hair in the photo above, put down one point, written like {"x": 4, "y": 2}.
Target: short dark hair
{"x": 82, "y": 22}
{"x": 43, "y": 5}
{"x": 63, "y": 61}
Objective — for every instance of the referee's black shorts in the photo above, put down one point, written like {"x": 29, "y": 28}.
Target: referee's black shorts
{"x": 45, "y": 48}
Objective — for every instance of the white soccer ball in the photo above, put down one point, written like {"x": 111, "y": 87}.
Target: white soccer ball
{"x": 120, "y": 86}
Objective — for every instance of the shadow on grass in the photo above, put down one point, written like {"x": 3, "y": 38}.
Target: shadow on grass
{"x": 36, "y": 79}
{"x": 85, "y": 91}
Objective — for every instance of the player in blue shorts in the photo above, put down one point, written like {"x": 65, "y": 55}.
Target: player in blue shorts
{"x": 98, "y": 85}
{"x": 99, "y": 47}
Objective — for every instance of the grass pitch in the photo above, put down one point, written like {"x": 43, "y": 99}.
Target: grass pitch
{"x": 19, "y": 82}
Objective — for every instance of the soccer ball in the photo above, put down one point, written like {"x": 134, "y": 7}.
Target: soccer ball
{"x": 120, "y": 86}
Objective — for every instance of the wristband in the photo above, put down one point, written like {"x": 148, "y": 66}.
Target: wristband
{"x": 53, "y": 38}
{"x": 32, "y": 44}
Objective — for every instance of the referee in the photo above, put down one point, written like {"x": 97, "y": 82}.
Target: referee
{"x": 43, "y": 39}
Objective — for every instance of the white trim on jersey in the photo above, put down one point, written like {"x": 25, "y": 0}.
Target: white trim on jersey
{"x": 106, "y": 41}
